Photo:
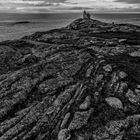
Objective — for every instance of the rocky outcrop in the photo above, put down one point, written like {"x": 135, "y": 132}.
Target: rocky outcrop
{"x": 75, "y": 83}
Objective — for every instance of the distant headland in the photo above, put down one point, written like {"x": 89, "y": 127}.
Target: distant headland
{"x": 21, "y": 22}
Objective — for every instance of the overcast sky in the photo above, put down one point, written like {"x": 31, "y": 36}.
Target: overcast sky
{"x": 46, "y": 6}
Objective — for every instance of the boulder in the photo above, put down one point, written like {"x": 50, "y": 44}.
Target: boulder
{"x": 86, "y": 103}
{"x": 122, "y": 75}
{"x": 65, "y": 120}
{"x": 64, "y": 134}
{"x": 133, "y": 97}
{"x": 114, "y": 127}
{"x": 107, "y": 68}
{"x": 114, "y": 102}
{"x": 80, "y": 119}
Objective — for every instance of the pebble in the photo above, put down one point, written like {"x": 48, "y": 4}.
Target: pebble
{"x": 64, "y": 134}
{"x": 86, "y": 103}
{"x": 107, "y": 68}
{"x": 80, "y": 119}
{"x": 122, "y": 75}
{"x": 114, "y": 102}
{"x": 65, "y": 120}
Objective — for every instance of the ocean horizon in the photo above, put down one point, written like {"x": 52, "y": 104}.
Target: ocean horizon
{"x": 17, "y": 25}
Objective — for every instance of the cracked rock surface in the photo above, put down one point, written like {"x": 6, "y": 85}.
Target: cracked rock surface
{"x": 80, "y": 82}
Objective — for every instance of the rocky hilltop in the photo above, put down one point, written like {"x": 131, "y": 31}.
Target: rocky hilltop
{"x": 80, "y": 82}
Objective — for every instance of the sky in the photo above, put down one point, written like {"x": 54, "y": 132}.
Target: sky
{"x": 52, "y": 6}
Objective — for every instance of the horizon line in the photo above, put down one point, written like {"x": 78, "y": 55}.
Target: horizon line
{"x": 69, "y": 12}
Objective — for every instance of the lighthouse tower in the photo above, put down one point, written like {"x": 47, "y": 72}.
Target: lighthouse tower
{"x": 86, "y": 15}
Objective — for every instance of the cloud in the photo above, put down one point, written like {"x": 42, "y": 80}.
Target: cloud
{"x": 71, "y": 5}
{"x": 44, "y": 1}
{"x": 80, "y": 8}
{"x": 129, "y": 1}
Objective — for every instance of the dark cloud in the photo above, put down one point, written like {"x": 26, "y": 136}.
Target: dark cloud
{"x": 129, "y": 1}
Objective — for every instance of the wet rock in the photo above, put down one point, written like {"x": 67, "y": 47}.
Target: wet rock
{"x": 107, "y": 68}
{"x": 80, "y": 119}
{"x": 64, "y": 134}
{"x": 86, "y": 103}
{"x": 114, "y": 102}
{"x": 122, "y": 75}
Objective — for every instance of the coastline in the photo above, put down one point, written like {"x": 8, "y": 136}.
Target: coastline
{"x": 76, "y": 82}
{"x": 45, "y": 22}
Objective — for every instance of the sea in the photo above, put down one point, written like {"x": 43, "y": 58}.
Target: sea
{"x": 15, "y": 26}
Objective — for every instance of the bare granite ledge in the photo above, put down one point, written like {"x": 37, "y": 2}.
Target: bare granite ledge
{"x": 80, "y": 82}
